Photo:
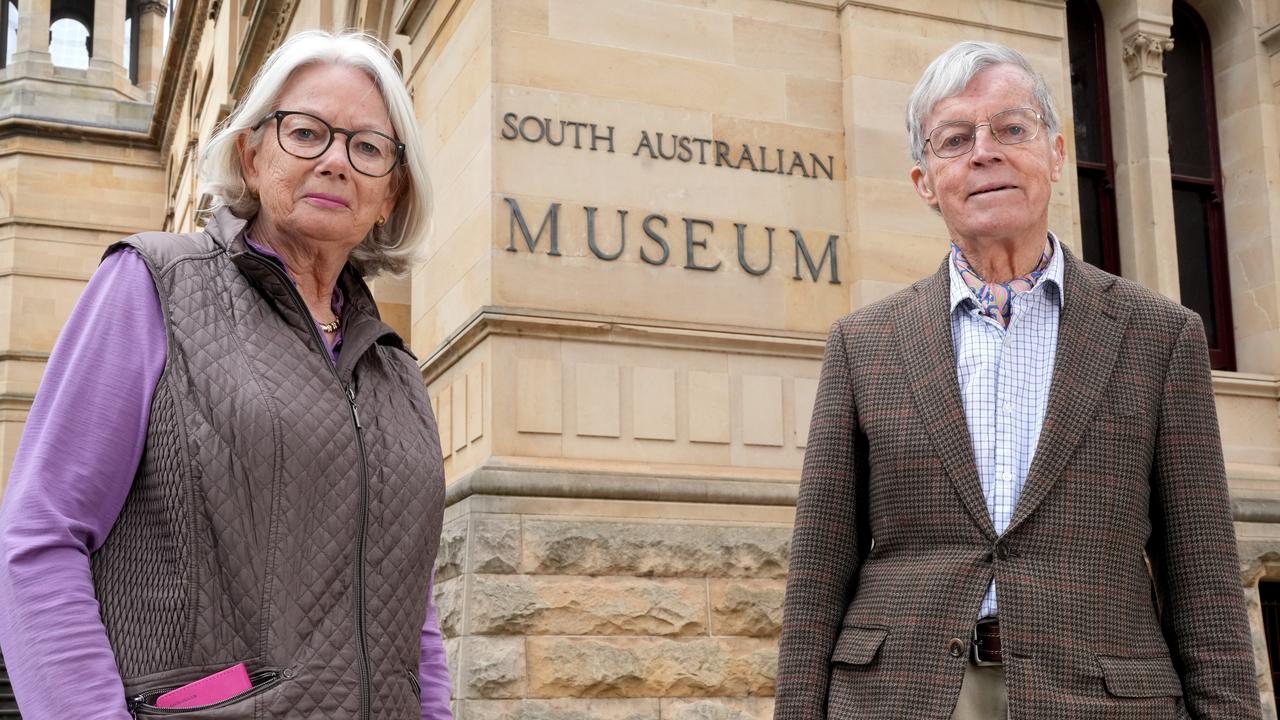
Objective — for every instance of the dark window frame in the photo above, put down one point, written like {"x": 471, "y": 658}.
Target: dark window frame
{"x": 1222, "y": 357}
{"x": 1103, "y": 172}
{"x": 1269, "y": 600}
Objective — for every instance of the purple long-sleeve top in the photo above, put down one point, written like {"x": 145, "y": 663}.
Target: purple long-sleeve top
{"x": 79, "y": 452}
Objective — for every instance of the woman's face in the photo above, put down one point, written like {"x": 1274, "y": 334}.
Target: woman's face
{"x": 322, "y": 200}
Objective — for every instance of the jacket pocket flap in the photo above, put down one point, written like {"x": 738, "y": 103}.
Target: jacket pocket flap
{"x": 858, "y": 646}
{"x": 1140, "y": 677}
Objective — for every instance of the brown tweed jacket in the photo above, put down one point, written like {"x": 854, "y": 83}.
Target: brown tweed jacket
{"x": 894, "y": 547}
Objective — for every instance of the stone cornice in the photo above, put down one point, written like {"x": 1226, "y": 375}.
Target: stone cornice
{"x": 153, "y": 6}
{"x": 268, "y": 22}
{"x": 628, "y": 331}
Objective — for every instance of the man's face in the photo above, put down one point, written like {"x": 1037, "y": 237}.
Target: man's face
{"x": 995, "y": 193}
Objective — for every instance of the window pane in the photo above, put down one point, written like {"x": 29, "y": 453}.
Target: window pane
{"x": 1195, "y": 280}
{"x": 1186, "y": 101}
{"x": 1090, "y": 217}
{"x": 67, "y": 46}
{"x": 1083, "y": 48}
{"x": 11, "y": 41}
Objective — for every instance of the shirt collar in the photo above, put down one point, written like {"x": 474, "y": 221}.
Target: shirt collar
{"x": 1052, "y": 278}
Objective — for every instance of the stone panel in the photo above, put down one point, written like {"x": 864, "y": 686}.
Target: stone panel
{"x": 539, "y": 405}
{"x": 709, "y": 407}
{"x": 566, "y": 547}
{"x": 558, "y": 605}
{"x": 475, "y": 403}
{"x": 747, "y": 607}
{"x": 806, "y": 392}
{"x": 762, "y": 410}
{"x": 458, "y": 423}
{"x": 444, "y": 420}
{"x": 650, "y": 667}
{"x": 654, "y": 403}
{"x": 598, "y": 411}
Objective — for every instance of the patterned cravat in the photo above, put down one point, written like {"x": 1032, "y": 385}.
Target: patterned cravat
{"x": 996, "y": 299}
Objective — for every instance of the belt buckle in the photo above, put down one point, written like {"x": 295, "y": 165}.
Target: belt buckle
{"x": 975, "y": 654}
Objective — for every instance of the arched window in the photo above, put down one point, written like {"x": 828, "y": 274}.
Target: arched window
{"x": 1197, "y": 182}
{"x": 1095, "y": 168}
{"x": 8, "y": 31}
{"x": 69, "y": 44}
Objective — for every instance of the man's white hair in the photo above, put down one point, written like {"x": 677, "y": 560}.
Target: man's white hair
{"x": 951, "y": 71}
{"x": 393, "y": 247}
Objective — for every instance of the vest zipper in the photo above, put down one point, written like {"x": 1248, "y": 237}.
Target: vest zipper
{"x": 362, "y": 660}
{"x": 365, "y": 685}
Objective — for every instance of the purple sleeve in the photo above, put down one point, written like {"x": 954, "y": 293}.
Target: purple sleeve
{"x": 81, "y": 446}
{"x": 433, "y": 672}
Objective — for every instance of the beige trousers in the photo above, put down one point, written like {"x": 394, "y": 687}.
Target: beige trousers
{"x": 983, "y": 695}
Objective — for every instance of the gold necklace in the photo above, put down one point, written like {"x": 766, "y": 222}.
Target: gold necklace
{"x": 332, "y": 326}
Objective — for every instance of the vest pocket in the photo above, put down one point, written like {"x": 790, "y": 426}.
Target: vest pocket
{"x": 415, "y": 684}
{"x": 142, "y": 704}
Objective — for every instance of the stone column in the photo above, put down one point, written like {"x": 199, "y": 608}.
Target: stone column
{"x": 33, "y": 38}
{"x": 151, "y": 44}
{"x": 1148, "y": 243}
{"x": 106, "y": 65}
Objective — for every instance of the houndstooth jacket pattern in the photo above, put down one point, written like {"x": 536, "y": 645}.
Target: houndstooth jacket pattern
{"x": 1120, "y": 593}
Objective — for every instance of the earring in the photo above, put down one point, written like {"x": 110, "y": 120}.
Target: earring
{"x": 381, "y": 221}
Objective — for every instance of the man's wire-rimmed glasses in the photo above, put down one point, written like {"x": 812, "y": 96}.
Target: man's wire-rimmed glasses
{"x": 1008, "y": 127}
{"x": 306, "y": 136}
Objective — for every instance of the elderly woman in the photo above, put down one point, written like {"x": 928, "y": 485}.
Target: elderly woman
{"x": 231, "y": 472}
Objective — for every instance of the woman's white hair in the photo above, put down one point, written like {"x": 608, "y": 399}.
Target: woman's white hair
{"x": 393, "y": 247}
{"x": 951, "y": 71}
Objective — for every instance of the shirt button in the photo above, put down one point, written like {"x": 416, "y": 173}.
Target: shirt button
{"x": 1008, "y": 475}
{"x": 955, "y": 647}
{"x": 1008, "y": 407}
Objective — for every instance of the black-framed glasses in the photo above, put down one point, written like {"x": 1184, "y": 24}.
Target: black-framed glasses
{"x": 1008, "y": 127}
{"x": 306, "y": 136}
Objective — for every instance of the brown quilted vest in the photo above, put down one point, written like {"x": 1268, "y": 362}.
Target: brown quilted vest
{"x": 286, "y": 513}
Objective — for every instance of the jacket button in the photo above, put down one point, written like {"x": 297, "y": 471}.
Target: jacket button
{"x": 1002, "y": 551}
{"x": 289, "y": 673}
{"x": 955, "y": 647}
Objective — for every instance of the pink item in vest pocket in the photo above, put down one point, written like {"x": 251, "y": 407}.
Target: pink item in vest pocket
{"x": 210, "y": 690}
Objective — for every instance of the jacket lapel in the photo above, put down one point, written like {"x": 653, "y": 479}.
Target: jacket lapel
{"x": 922, "y": 332}
{"x": 1089, "y": 335}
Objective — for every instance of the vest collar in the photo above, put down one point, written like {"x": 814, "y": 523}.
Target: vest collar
{"x": 362, "y": 325}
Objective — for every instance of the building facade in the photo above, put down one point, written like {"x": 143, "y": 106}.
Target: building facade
{"x": 647, "y": 215}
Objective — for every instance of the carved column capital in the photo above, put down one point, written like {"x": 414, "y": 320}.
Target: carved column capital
{"x": 1144, "y": 54}
{"x": 159, "y": 7}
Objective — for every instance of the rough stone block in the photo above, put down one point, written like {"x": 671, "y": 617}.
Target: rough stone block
{"x": 552, "y": 605}
{"x": 453, "y": 658}
{"x": 659, "y": 549}
{"x": 651, "y": 667}
{"x": 717, "y": 709}
{"x": 747, "y": 607}
{"x": 493, "y": 667}
{"x": 451, "y": 557}
{"x": 562, "y": 709}
{"x": 495, "y": 544}
{"x": 449, "y": 600}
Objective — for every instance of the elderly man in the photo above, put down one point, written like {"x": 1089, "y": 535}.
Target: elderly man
{"x": 1013, "y": 501}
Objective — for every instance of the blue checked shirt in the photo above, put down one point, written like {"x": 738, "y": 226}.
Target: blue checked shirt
{"x": 1004, "y": 382}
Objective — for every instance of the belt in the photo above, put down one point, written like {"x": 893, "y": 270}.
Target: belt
{"x": 985, "y": 648}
